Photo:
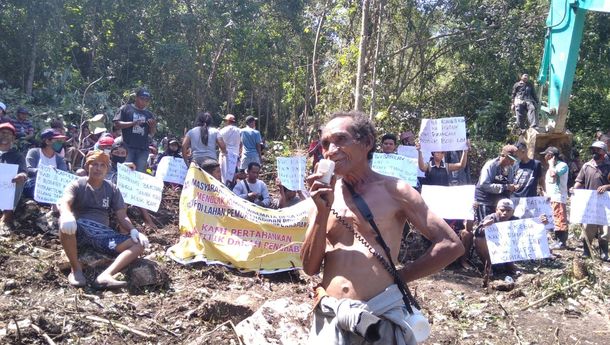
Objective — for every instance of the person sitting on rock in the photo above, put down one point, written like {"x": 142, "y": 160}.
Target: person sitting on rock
{"x": 84, "y": 222}
{"x": 10, "y": 155}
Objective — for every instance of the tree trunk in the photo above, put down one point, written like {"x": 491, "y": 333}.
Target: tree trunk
{"x": 33, "y": 53}
{"x": 314, "y": 57}
{"x": 361, "y": 56}
{"x": 377, "y": 46}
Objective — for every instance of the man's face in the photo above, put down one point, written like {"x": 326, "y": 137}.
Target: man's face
{"x": 525, "y": 78}
{"x": 548, "y": 156}
{"x": 253, "y": 173}
{"x": 7, "y": 138}
{"x": 119, "y": 152}
{"x": 522, "y": 154}
{"x": 98, "y": 170}
{"x": 504, "y": 213}
{"x": 142, "y": 102}
{"x": 408, "y": 141}
{"x": 388, "y": 146}
{"x": 173, "y": 147}
{"x": 505, "y": 160}
{"x": 22, "y": 116}
{"x": 340, "y": 146}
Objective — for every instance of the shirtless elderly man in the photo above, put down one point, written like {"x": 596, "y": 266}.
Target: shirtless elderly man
{"x": 353, "y": 277}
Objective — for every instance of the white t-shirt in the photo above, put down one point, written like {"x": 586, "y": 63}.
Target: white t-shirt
{"x": 231, "y": 136}
{"x": 557, "y": 188}
{"x": 47, "y": 162}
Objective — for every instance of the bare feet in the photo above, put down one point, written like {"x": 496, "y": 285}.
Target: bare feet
{"x": 77, "y": 279}
{"x": 108, "y": 282}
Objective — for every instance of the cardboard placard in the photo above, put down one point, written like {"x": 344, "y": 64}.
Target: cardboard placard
{"x": 139, "y": 189}
{"x": 441, "y": 135}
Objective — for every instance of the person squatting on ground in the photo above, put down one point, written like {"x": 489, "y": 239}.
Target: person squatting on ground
{"x": 51, "y": 143}
{"x": 355, "y": 279}
{"x": 524, "y": 102}
{"x": 495, "y": 181}
{"x": 595, "y": 175}
{"x": 84, "y": 221}
{"x": 10, "y": 155}
{"x": 253, "y": 189}
{"x": 556, "y": 189}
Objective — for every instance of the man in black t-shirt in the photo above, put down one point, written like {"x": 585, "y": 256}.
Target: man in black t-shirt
{"x": 527, "y": 176}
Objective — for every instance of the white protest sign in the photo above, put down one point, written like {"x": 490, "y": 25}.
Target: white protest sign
{"x": 139, "y": 189}
{"x": 7, "y": 186}
{"x": 50, "y": 184}
{"x": 172, "y": 169}
{"x": 228, "y": 163}
{"x": 397, "y": 166}
{"x": 448, "y": 134}
{"x": 590, "y": 207}
{"x": 455, "y": 202}
{"x": 534, "y": 207}
{"x": 291, "y": 171}
{"x": 517, "y": 240}
{"x": 411, "y": 153}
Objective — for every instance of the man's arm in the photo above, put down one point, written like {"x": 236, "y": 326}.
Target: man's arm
{"x": 446, "y": 246}
{"x": 485, "y": 181}
{"x": 240, "y": 191}
{"x": 265, "y": 194}
{"x": 152, "y": 126}
{"x": 125, "y": 224}
{"x": 461, "y": 164}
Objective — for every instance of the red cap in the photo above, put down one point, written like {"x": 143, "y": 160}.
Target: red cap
{"x": 8, "y": 125}
{"x": 106, "y": 141}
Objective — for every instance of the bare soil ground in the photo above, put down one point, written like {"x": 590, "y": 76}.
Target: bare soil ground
{"x": 200, "y": 304}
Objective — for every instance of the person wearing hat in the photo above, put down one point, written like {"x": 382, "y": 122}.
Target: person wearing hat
{"x": 3, "y": 116}
{"x": 173, "y": 150}
{"x": 407, "y": 138}
{"x": 105, "y": 144}
{"x": 231, "y": 136}
{"x": 556, "y": 189}
{"x": 23, "y": 126}
{"x": 51, "y": 143}
{"x": 595, "y": 175}
{"x": 137, "y": 124}
{"x": 251, "y": 144}
{"x": 84, "y": 221}
{"x": 10, "y": 155}
{"x": 496, "y": 181}
{"x": 527, "y": 173}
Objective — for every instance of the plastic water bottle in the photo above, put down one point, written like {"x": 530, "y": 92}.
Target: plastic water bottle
{"x": 419, "y": 325}
{"x": 509, "y": 280}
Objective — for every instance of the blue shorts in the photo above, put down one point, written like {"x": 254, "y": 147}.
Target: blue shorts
{"x": 98, "y": 236}
{"x": 139, "y": 157}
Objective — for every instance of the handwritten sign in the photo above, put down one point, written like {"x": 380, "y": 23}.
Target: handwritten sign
{"x": 172, "y": 169}
{"x": 228, "y": 163}
{"x": 139, "y": 189}
{"x": 51, "y": 183}
{"x": 411, "y": 153}
{"x": 590, "y": 207}
{"x": 455, "y": 202}
{"x": 517, "y": 240}
{"x": 7, "y": 187}
{"x": 534, "y": 207}
{"x": 291, "y": 171}
{"x": 448, "y": 134}
{"x": 397, "y": 166}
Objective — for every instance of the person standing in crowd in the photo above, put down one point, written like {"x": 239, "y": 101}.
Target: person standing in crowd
{"x": 436, "y": 169}
{"x": 407, "y": 138}
{"x": 137, "y": 124}
{"x": 388, "y": 143}
{"x": 251, "y": 144}
{"x": 524, "y": 102}
{"x": 84, "y": 221}
{"x": 24, "y": 128}
{"x": 495, "y": 182}
{"x": 315, "y": 149}
{"x": 575, "y": 166}
{"x": 556, "y": 189}
{"x": 595, "y": 175}
{"x": 51, "y": 143}
{"x": 231, "y": 136}
{"x": 252, "y": 188}
{"x": 3, "y": 116}
{"x": 201, "y": 141}
{"x": 9, "y": 155}
{"x": 353, "y": 277}
{"x": 527, "y": 175}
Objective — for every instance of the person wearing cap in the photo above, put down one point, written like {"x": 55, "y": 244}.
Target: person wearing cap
{"x": 3, "y": 116}
{"x": 231, "y": 136}
{"x": 105, "y": 144}
{"x": 23, "y": 126}
{"x": 496, "y": 181}
{"x": 173, "y": 150}
{"x": 137, "y": 124}
{"x": 524, "y": 102}
{"x": 51, "y": 143}
{"x": 10, "y": 155}
{"x": 527, "y": 174}
{"x": 556, "y": 189}
{"x": 84, "y": 222}
{"x": 200, "y": 142}
{"x": 407, "y": 138}
{"x": 595, "y": 175}
{"x": 252, "y": 188}
{"x": 251, "y": 144}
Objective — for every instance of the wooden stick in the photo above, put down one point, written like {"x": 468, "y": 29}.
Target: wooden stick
{"x": 121, "y": 326}
{"x": 44, "y": 335}
{"x": 552, "y": 294}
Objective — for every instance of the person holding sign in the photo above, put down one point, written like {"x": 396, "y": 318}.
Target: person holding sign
{"x": 10, "y": 155}
{"x": 288, "y": 197}
{"x": 84, "y": 221}
{"x": 437, "y": 171}
{"x": 51, "y": 143}
{"x": 359, "y": 274}
{"x": 595, "y": 175}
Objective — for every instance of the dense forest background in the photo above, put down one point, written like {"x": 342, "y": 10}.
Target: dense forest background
{"x": 291, "y": 62}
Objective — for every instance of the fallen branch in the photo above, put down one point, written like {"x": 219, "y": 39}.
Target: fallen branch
{"x": 218, "y": 327}
{"x": 545, "y": 298}
{"x": 511, "y": 321}
{"x": 120, "y": 325}
{"x": 43, "y": 334}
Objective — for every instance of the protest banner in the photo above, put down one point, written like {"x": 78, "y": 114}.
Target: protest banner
{"x": 455, "y": 202}
{"x": 228, "y": 164}
{"x": 171, "y": 169}
{"x": 7, "y": 186}
{"x": 218, "y": 227}
{"x": 534, "y": 207}
{"x": 51, "y": 183}
{"x": 292, "y": 171}
{"x": 411, "y": 153}
{"x": 139, "y": 189}
{"x": 517, "y": 240}
{"x": 397, "y": 166}
{"x": 590, "y": 207}
{"x": 448, "y": 134}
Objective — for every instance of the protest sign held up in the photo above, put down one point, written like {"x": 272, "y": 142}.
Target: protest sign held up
{"x": 291, "y": 171}
{"x": 139, "y": 189}
{"x": 171, "y": 169}
{"x": 51, "y": 183}
{"x": 397, "y": 166}
{"x": 7, "y": 186}
{"x": 448, "y": 134}
{"x": 590, "y": 207}
{"x": 411, "y": 153}
{"x": 454, "y": 202}
{"x": 517, "y": 240}
{"x": 534, "y": 207}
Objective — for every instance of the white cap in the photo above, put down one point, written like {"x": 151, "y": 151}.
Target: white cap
{"x": 2, "y": 106}
{"x": 506, "y": 203}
